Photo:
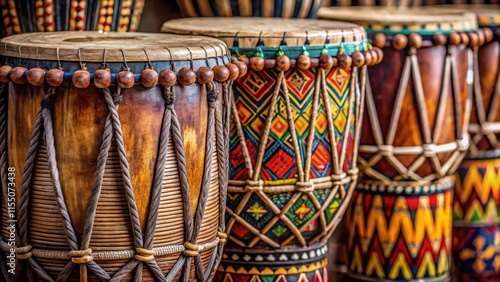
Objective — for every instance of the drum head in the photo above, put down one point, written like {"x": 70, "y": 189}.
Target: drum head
{"x": 91, "y": 46}
{"x": 487, "y": 15}
{"x": 403, "y": 20}
{"x": 270, "y": 31}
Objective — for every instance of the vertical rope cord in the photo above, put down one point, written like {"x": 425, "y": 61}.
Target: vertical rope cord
{"x": 312, "y": 133}
{"x": 212, "y": 98}
{"x": 24, "y": 198}
{"x": 127, "y": 183}
{"x": 352, "y": 96}
{"x": 291, "y": 128}
{"x": 360, "y": 114}
{"x": 3, "y": 167}
{"x": 331, "y": 127}
{"x": 267, "y": 129}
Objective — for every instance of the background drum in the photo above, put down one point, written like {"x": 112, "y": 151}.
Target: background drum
{"x": 413, "y": 138}
{"x": 293, "y": 140}
{"x": 113, "y": 182}
{"x": 250, "y": 8}
{"x": 476, "y": 201}
{"x": 50, "y": 15}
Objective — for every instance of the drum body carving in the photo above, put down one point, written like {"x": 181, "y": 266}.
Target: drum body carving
{"x": 293, "y": 142}
{"x": 250, "y": 8}
{"x": 413, "y": 138}
{"x": 72, "y": 15}
{"x": 114, "y": 182}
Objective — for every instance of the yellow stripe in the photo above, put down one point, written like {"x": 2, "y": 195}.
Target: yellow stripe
{"x": 268, "y": 8}
{"x": 304, "y": 9}
{"x": 205, "y": 9}
{"x": 288, "y": 7}
{"x": 245, "y": 8}
{"x": 224, "y": 8}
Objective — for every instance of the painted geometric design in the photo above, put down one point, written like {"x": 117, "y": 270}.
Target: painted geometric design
{"x": 398, "y": 237}
{"x": 424, "y": 155}
{"x": 476, "y": 220}
{"x": 275, "y": 218}
{"x": 475, "y": 252}
{"x": 477, "y": 192}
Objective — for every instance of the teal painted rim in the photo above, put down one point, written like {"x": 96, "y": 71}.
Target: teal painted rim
{"x": 293, "y": 52}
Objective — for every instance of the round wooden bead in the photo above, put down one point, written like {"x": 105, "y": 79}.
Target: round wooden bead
{"x": 149, "y": 78}
{"x": 368, "y": 58}
{"x": 244, "y": 59}
{"x": 17, "y": 75}
{"x": 234, "y": 71}
{"x": 5, "y": 73}
{"x": 345, "y": 61}
{"x": 481, "y": 37}
{"x": 379, "y": 55}
{"x": 473, "y": 39}
{"x": 303, "y": 62}
{"x": 326, "y": 62}
{"x": 464, "y": 38}
{"x": 81, "y": 78}
{"x": 55, "y": 77}
{"x": 488, "y": 34}
{"x": 186, "y": 76}
{"x": 205, "y": 75}
{"x": 102, "y": 78}
{"x": 282, "y": 63}
{"x": 167, "y": 78}
{"x": 257, "y": 63}
{"x": 439, "y": 39}
{"x": 358, "y": 59}
{"x": 379, "y": 40}
{"x": 125, "y": 79}
{"x": 399, "y": 41}
{"x": 221, "y": 73}
{"x": 454, "y": 38}
{"x": 36, "y": 76}
{"x": 242, "y": 67}
{"x": 415, "y": 40}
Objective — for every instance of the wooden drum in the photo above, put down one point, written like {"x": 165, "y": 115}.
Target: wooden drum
{"x": 118, "y": 145}
{"x": 414, "y": 136}
{"x": 476, "y": 201}
{"x": 293, "y": 140}
{"x": 50, "y": 15}
{"x": 250, "y": 8}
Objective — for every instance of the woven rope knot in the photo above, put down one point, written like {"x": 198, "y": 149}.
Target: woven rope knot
{"x": 117, "y": 99}
{"x": 304, "y": 186}
{"x": 191, "y": 250}
{"x": 463, "y": 144}
{"x": 386, "y": 150}
{"x": 429, "y": 150}
{"x": 169, "y": 97}
{"x": 212, "y": 95}
{"x": 353, "y": 172}
{"x": 253, "y": 186}
{"x": 46, "y": 103}
{"x": 81, "y": 256}
{"x": 222, "y": 237}
{"x": 145, "y": 255}
{"x": 24, "y": 252}
{"x": 338, "y": 177}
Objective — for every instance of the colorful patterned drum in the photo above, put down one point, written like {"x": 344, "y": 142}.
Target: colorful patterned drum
{"x": 413, "y": 138}
{"x": 476, "y": 201}
{"x": 250, "y": 8}
{"x": 293, "y": 141}
{"x": 114, "y": 183}
{"x": 50, "y": 15}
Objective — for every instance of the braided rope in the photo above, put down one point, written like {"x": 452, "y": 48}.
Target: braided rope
{"x": 3, "y": 172}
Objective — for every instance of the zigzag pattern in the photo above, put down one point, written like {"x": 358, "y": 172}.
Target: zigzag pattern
{"x": 477, "y": 192}
{"x": 399, "y": 237}
{"x": 253, "y": 94}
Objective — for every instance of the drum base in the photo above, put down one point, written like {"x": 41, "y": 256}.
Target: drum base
{"x": 476, "y": 225}
{"x": 291, "y": 264}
